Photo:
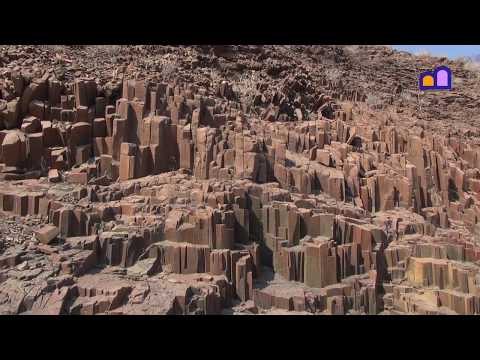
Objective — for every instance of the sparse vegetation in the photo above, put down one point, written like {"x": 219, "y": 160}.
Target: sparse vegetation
{"x": 374, "y": 101}
{"x": 471, "y": 65}
{"x": 333, "y": 74}
{"x": 330, "y": 136}
{"x": 423, "y": 53}
{"x": 407, "y": 97}
{"x": 353, "y": 49}
{"x": 457, "y": 81}
{"x": 246, "y": 86}
{"x": 168, "y": 68}
{"x": 55, "y": 48}
{"x": 105, "y": 50}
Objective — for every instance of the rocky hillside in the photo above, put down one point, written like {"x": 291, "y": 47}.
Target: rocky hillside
{"x": 236, "y": 180}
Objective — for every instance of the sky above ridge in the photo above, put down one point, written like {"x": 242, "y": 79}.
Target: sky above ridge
{"x": 450, "y": 51}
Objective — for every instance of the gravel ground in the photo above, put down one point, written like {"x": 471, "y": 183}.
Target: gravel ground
{"x": 15, "y": 230}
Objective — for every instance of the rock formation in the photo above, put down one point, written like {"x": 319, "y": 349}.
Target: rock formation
{"x": 158, "y": 180}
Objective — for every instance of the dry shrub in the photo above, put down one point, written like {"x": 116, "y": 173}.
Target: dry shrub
{"x": 423, "y": 53}
{"x": 109, "y": 50}
{"x": 374, "y": 101}
{"x": 471, "y": 65}
{"x": 60, "y": 49}
{"x": 407, "y": 97}
{"x": 352, "y": 49}
{"x": 457, "y": 81}
{"x": 215, "y": 77}
{"x": 168, "y": 68}
{"x": 333, "y": 74}
{"x": 246, "y": 85}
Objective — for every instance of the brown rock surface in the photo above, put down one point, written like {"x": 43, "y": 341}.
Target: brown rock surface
{"x": 250, "y": 180}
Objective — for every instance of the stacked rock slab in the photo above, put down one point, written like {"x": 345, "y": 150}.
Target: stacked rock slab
{"x": 334, "y": 210}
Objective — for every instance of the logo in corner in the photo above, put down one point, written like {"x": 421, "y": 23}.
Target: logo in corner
{"x": 439, "y": 79}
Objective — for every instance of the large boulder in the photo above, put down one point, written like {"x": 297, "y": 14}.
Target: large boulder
{"x": 14, "y": 149}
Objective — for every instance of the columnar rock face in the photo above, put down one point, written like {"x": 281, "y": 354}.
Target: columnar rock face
{"x": 147, "y": 192}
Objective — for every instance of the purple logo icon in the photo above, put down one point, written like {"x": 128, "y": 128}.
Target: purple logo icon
{"x": 439, "y": 79}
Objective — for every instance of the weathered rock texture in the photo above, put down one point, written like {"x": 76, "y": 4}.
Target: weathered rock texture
{"x": 155, "y": 180}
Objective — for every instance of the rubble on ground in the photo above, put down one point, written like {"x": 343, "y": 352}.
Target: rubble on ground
{"x": 127, "y": 187}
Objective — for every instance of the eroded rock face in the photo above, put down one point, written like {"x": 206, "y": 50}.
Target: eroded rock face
{"x": 129, "y": 189}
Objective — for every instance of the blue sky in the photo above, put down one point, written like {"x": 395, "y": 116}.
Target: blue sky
{"x": 451, "y": 51}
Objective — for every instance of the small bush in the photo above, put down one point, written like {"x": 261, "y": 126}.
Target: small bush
{"x": 333, "y": 75}
{"x": 168, "y": 69}
{"x": 60, "y": 49}
{"x": 423, "y": 53}
{"x": 246, "y": 85}
{"x": 352, "y": 49}
{"x": 109, "y": 50}
{"x": 407, "y": 97}
{"x": 457, "y": 81}
{"x": 471, "y": 65}
{"x": 374, "y": 101}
